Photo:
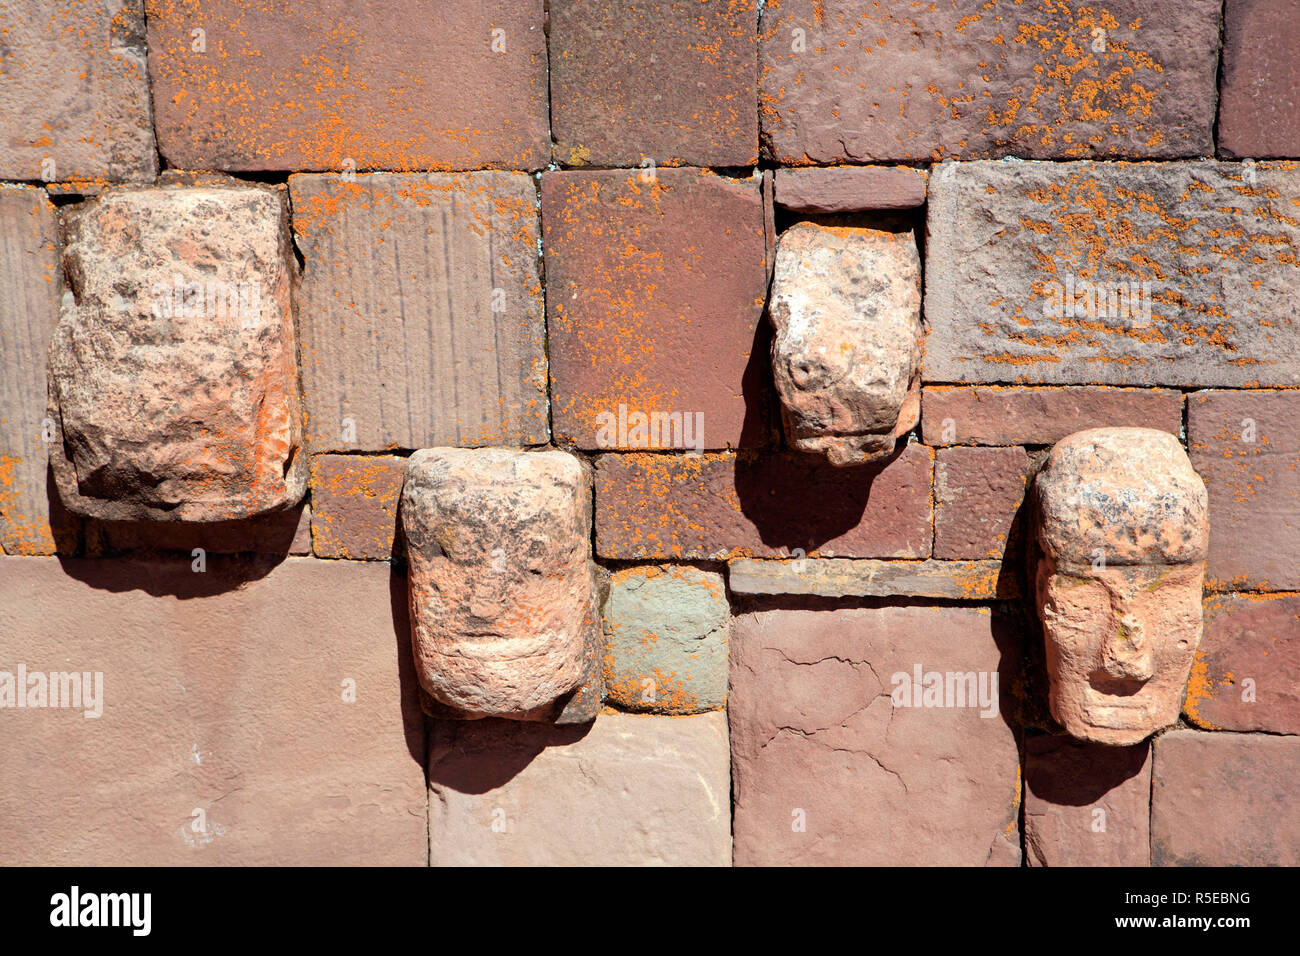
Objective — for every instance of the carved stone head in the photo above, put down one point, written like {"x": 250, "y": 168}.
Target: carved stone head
{"x": 1122, "y": 535}
{"x": 846, "y": 305}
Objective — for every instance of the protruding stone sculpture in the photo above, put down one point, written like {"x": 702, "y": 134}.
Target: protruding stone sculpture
{"x": 1122, "y": 535}
{"x": 846, "y": 303}
{"x": 173, "y": 383}
{"x": 502, "y": 588}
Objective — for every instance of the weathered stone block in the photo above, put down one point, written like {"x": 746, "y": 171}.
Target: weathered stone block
{"x": 852, "y": 577}
{"x": 74, "y": 94}
{"x": 355, "y": 500}
{"x": 1246, "y": 445}
{"x": 252, "y": 715}
{"x": 1087, "y": 804}
{"x": 653, "y": 309}
{"x": 728, "y": 505}
{"x": 628, "y": 790}
{"x": 502, "y": 588}
{"x": 668, "y": 628}
{"x": 1197, "y": 263}
{"x": 978, "y": 496}
{"x": 1258, "y": 99}
{"x": 327, "y": 87}
{"x": 1247, "y": 672}
{"x": 638, "y": 80}
{"x": 173, "y": 375}
{"x": 1225, "y": 800}
{"x": 1032, "y": 415}
{"x": 816, "y": 737}
{"x": 421, "y": 310}
{"x": 837, "y": 189}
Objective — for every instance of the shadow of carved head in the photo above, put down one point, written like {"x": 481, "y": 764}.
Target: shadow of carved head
{"x": 846, "y": 306}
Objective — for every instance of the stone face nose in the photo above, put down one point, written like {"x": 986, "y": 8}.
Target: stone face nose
{"x": 1126, "y": 654}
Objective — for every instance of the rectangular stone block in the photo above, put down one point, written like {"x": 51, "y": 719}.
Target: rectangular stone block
{"x": 827, "y": 771}
{"x": 253, "y": 715}
{"x": 74, "y": 94}
{"x": 627, "y": 790}
{"x": 1225, "y": 800}
{"x": 851, "y": 577}
{"x": 842, "y": 81}
{"x": 979, "y": 494}
{"x": 1246, "y": 445}
{"x": 646, "y": 80}
{"x": 654, "y": 309}
{"x": 31, "y": 287}
{"x": 1040, "y": 415}
{"x": 421, "y": 310}
{"x": 1196, "y": 263}
{"x": 1259, "y": 91}
{"x": 1087, "y": 804}
{"x": 333, "y": 88}
{"x": 355, "y": 501}
{"x": 728, "y": 505}
{"x": 1246, "y": 675}
{"x": 850, "y": 188}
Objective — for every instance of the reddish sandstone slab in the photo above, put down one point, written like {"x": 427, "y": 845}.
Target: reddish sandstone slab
{"x": 978, "y": 494}
{"x": 653, "y": 305}
{"x": 1260, "y": 87}
{"x": 395, "y": 86}
{"x": 724, "y": 505}
{"x": 355, "y": 500}
{"x": 850, "y": 188}
{"x": 1246, "y": 445}
{"x": 845, "y": 81}
{"x": 643, "y": 80}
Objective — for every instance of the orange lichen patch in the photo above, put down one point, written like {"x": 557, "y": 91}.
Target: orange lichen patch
{"x": 21, "y": 532}
{"x": 1200, "y": 687}
{"x": 653, "y": 690}
{"x": 354, "y": 505}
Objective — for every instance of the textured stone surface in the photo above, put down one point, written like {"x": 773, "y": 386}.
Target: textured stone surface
{"x": 850, "y": 188}
{"x": 842, "y": 81}
{"x": 654, "y": 305}
{"x": 1246, "y": 445}
{"x": 978, "y": 494}
{"x": 638, "y": 80}
{"x": 1121, "y": 524}
{"x": 727, "y": 505}
{"x": 420, "y": 310}
{"x": 846, "y": 307}
{"x": 31, "y": 286}
{"x": 1225, "y": 800}
{"x": 331, "y": 87}
{"x": 1247, "y": 672}
{"x": 74, "y": 93}
{"x": 501, "y": 582}
{"x": 844, "y": 577}
{"x": 815, "y": 739}
{"x": 173, "y": 379}
{"x": 1215, "y": 241}
{"x": 1087, "y": 804}
{"x": 1034, "y": 415}
{"x": 355, "y": 500}
{"x": 668, "y": 628}
{"x": 225, "y": 736}
{"x": 630, "y": 790}
{"x": 1258, "y": 100}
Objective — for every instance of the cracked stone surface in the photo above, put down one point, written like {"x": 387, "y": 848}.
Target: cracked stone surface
{"x": 817, "y": 743}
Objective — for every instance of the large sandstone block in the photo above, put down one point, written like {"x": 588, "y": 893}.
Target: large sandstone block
{"x": 74, "y": 93}
{"x": 1246, "y": 445}
{"x": 31, "y": 287}
{"x": 331, "y": 86}
{"x": 643, "y": 80}
{"x": 628, "y": 790}
{"x": 420, "y": 310}
{"x": 502, "y": 587}
{"x": 728, "y": 505}
{"x": 1197, "y": 262}
{"x": 843, "y": 81}
{"x": 1225, "y": 800}
{"x": 832, "y": 765}
{"x": 653, "y": 308}
{"x": 250, "y": 715}
{"x": 1087, "y": 804}
{"x": 1260, "y": 88}
{"x": 1247, "y": 672}
{"x": 173, "y": 374}
{"x": 978, "y": 497}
